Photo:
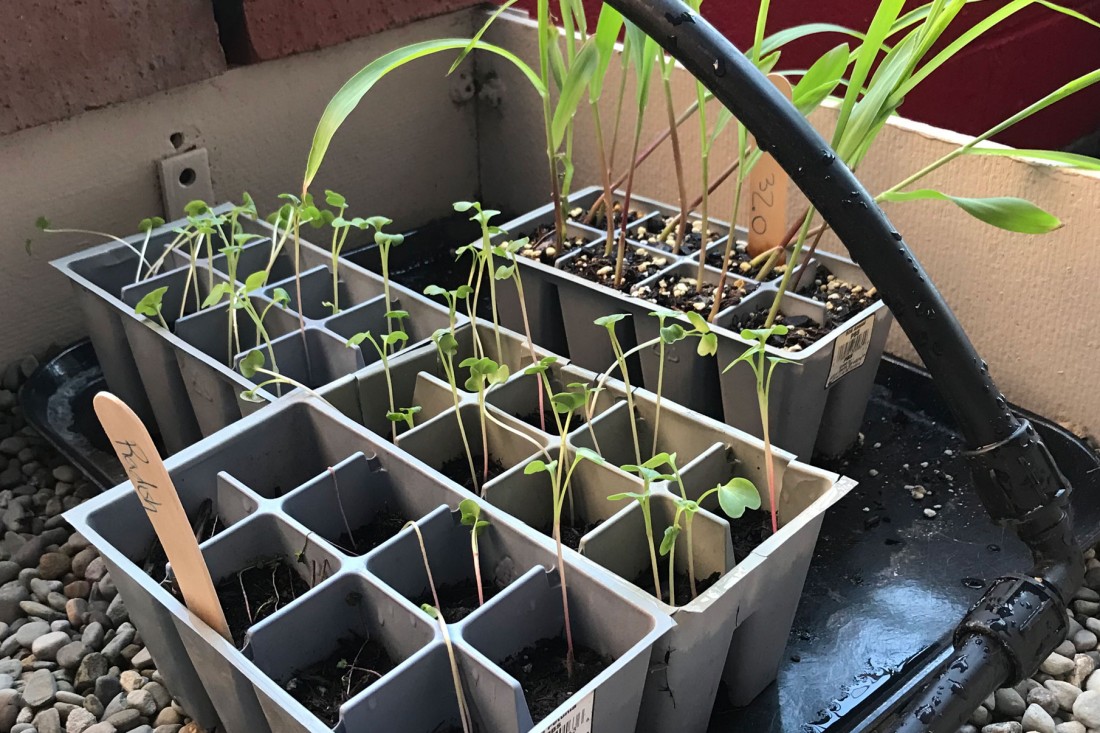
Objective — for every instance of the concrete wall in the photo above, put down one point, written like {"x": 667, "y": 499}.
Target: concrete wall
{"x": 98, "y": 170}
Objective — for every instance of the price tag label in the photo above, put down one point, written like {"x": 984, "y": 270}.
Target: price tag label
{"x": 850, "y": 349}
{"x": 768, "y": 186}
{"x": 577, "y": 719}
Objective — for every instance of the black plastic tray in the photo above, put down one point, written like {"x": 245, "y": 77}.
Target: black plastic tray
{"x": 887, "y": 583}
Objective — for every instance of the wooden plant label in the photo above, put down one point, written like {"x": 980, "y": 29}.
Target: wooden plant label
{"x": 154, "y": 487}
{"x": 768, "y": 187}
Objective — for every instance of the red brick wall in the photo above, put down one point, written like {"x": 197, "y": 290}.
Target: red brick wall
{"x": 59, "y": 58}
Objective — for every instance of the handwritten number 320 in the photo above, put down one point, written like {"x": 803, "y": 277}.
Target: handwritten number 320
{"x": 760, "y": 200}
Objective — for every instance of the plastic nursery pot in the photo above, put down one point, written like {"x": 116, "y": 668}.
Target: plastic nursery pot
{"x": 606, "y": 630}
{"x": 307, "y": 685}
{"x": 438, "y": 443}
{"x": 689, "y": 380}
{"x": 800, "y": 390}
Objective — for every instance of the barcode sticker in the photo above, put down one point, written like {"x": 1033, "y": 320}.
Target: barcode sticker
{"x": 850, "y": 349}
{"x": 577, "y": 719}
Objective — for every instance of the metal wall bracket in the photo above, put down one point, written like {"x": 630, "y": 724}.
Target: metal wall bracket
{"x": 184, "y": 178}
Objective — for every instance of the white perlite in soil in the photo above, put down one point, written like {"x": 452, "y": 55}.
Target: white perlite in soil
{"x": 70, "y": 660}
{"x": 1064, "y": 695}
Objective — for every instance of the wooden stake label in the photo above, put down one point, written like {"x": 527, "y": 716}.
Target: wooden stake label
{"x": 768, "y": 188}
{"x": 145, "y": 469}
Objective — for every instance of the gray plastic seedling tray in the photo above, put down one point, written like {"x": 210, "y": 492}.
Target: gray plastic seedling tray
{"x": 269, "y": 480}
{"x": 816, "y": 408}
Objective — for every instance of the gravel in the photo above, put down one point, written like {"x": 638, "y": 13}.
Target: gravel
{"x": 70, "y": 660}
{"x": 1064, "y": 695}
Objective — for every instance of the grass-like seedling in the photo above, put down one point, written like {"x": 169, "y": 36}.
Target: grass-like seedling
{"x": 471, "y": 517}
{"x": 763, "y": 366}
{"x": 484, "y": 375}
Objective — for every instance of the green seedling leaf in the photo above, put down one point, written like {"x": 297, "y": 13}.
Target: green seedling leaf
{"x": 255, "y": 281}
{"x": 607, "y": 32}
{"x": 1073, "y": 160}
{"x": 672, "y": 333}
{"x": 357, "y": 339}
{"x": 504, "y": 272}
{"x": 584, "y": 66}
{"x": 1004, "y": 212}
{"x": 436, "y": 290}
{"x": 763, "y": 334}
{"x": 499, "y": 375}
{"x": 537, "y": 466}
{"x": 395, "y": 337}
{"x": 430, "y": 610}
{"x": 821, "y": 79}
{"x": 196, "y": 208}
{"x": 477, "y": 36}
{"x": 708, "y": 345}
{"x": 463, "y": 206}
{"x": 151, "y": 304}
{"x": 609, "y": 322}
{"x": 445, "y": 341}
{"x": 698, "y": 322}
{"x": 627, "y": 495}
{"x": 281, "y": 297}
{"x": 470, "y": 511}
{"x": 148, "y": 225}
{"x": 542, "y": 365}
{"x": 220, "y": 291}
{"x": 737, "y": 495}
{"x": 669, "y": 540}
{"x": 392, "y": 240}
{"x": 336, "y": 200}
{"x": 252, "y": 361}
{"x": 349, "y": 96}
{"x": 588, "y": 454}
{"x": 397, "y": 314}
{"x": 566, "y": 402}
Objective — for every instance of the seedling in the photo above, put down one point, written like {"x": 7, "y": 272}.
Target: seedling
{"x": 484, "y": 375}
{"x": 471, "y": 517}
{"x": 734, "y": 497}
{"x": 404, "y": 415}
{"x": 648, "y": 473}
{"x": 385, "y": 241}
{"x": 482, "y": 255}
{"x": 559, "y": 484}
{"x": 253, "y": 364}
{"x": 436, "y": 613}
{"x": 763, "y": 366}
{"x": 671, "y": 333}
{"x": 447, "y": 346}
{"x": 452, "y": 297}
{"x": 150, "y": 306}
{"x": 341, "y": 227}
{"x": 384, "y": 349}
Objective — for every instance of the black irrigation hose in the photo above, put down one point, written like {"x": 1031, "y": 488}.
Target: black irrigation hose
{"x": 1012, "y": 470}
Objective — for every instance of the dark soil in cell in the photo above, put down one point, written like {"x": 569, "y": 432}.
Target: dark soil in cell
{"x": 458, "y": 470}
{"x": 366, "y": 537}
{"x": 842, "y": 299}
{"x": 549, "y": 426}
{"x": 803, "y": 330}
{"x": 460, "y": 599}
{"x": 205, "y": 523}
{"x": 683, "y": 582}
{"x": 750, "y": 530}
{"x": 740, "y": 263}
{"x": 579, "y": 213}
{"x": 543, "y": 244}
{"x": 259, "y": 591}
{"x": 541, "y": 672}
{"x": 593, "y": 265}
{"x": 355, "y": 665}
{"x": 571, "y": 534}
{"x": 649, "y": 232}
{"x": 679, "y": 293}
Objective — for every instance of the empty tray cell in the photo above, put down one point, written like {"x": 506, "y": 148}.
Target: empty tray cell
{"x": 313, "y": 359}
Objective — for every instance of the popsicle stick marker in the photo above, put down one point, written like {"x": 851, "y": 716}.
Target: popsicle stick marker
{"x": 768, "y": 188}
{"x": 145, "y": 469}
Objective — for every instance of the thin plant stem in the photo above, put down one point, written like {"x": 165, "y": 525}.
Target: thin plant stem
{"x": 477, "y": 565}
{"x": 484, "y": 430}
{"x": 448, "y": 368}
{"x": 647, "y": 516}
{"x": 660, "y": 389}
{"x": 527, "y": 333}
{"x": 608, "y": 193}
{"x": 691, "y": 554}
{"x": 785, "y": 283}
{"x": 678, "y": 163}
{"x": 340, "y": 506}
{"x": 621, "y": 253}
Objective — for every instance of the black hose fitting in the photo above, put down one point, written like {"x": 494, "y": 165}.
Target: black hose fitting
{"x": 1022, "y": 616}
{"x": 1016, "y": 478}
